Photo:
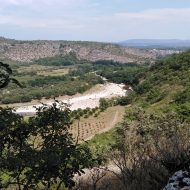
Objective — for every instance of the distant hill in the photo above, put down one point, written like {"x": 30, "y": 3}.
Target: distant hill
{"x": 156, "y": 43}
{"x": 27, "y": 51}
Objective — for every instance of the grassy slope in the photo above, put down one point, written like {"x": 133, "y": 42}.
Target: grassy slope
{"x": 164, "y": 83}
{"x": 164, "y": 88}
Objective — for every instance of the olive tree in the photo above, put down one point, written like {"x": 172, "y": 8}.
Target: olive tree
{"x": 40, "y": 152}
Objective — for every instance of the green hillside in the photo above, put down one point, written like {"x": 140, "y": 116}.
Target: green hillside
{"x": 166, "y": 86}
{"x": 152, "y": 142}
{"x": 162, "y": 89}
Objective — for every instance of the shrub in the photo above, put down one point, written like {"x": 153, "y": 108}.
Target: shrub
{"x": 149, "y": 148}
{"x": 155, "y": 95}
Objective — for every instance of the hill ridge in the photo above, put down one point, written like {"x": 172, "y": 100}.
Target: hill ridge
{"x": 27, "y": 51}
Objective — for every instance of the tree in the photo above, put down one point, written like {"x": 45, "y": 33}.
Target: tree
{"x": 130, "y": 153}
{"x": 149, "y": 148}
{"x": 5, "y": 76}
{"x": 40, "y": 151}
{"x": 104, "y": 104}
{"x": 94, "y": 179}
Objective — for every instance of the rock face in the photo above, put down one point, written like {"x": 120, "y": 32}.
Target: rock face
{"x": 179, "y": 181}
{"x": 27, "y": 51}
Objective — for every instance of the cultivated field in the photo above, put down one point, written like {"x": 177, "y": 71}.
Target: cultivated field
{"x": 86, "y": 128}
{"x": 43, "y": 70}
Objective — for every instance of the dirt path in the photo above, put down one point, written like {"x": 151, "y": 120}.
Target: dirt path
{"x": 110, "y": 125}
{"x": 114, "y": 122}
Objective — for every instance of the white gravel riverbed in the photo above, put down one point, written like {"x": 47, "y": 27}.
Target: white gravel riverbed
{"x": 82, "y": 101}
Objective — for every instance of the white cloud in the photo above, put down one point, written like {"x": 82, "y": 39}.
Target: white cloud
{"x": 158, "y": 23}
{"x": 39, "y": 23}
{"x": 153, "y": 15}
{"x": 168, "y": 23}
{"x": 40, "y": 2}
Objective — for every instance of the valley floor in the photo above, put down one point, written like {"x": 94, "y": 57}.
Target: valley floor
{"x": 88, "y": 99}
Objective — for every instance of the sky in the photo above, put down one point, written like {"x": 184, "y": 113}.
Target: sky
{"x": 95, "y": 20}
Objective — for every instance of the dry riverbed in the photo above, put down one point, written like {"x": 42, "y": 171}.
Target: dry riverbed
{"x": 88, "y": 99}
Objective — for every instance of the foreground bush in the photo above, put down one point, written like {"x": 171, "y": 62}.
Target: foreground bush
{"x": 149, "y": 149}
{"x": 39, "y": 153}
